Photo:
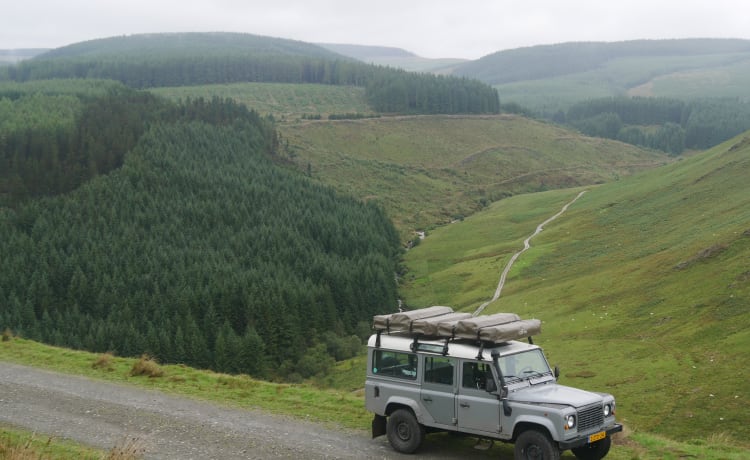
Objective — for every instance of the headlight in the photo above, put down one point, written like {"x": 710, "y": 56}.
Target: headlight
{"x": 570, "y": 422}
{"x": 607, "y": 410}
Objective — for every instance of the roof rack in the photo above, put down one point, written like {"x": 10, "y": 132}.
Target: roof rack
{"x": 441, "y": 322}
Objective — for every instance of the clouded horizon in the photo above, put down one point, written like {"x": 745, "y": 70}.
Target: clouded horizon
{"x": 430, "y": 28}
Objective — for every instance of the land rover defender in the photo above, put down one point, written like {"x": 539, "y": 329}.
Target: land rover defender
{"x": 436, "y": 370}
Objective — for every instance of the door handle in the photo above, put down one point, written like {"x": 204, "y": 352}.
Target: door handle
{"x": 427, "y": 399}
{"x": 464, "y": 404}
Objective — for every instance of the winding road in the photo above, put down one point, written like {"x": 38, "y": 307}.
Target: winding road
{"x": 526, "y": 246}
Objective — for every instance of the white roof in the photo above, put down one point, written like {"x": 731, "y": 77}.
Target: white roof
{"x": 456, "y": 349}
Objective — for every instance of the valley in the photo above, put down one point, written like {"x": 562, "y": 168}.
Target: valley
{"x": 212, "y": 236}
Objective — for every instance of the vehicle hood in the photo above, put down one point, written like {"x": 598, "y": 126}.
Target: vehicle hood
{"x": 553, "y": 393}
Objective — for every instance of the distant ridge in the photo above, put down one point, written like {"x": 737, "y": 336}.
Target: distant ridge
{"x": 190, "y": 42}
{"x": 365, "y": 52}
{"x": 395, "y": 57}
{"x": 16, "y": 55}
{"x": 546, "y": 61}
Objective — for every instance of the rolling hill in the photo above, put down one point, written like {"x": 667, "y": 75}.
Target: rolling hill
{"x": 395, "y": 57}
{"x": 427, "y": 171}
{"x": 643, "y": 287}
{"x": 550, "y": 78}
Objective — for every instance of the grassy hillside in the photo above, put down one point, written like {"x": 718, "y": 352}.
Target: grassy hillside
{"x": 551, "y": 77}
{"x": 643, "y": 287}
{"x": 432, "y": 170}
{"x": 426, "y": 170}
{"x": 285, "y": 101}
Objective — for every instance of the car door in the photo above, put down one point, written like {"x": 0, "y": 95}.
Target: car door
{"x": 477, "y": 410}
{"x": 438, "y": 394}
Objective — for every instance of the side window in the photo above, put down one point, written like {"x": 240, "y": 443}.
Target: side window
{"x": 474, "y": 374}
{"x": 438, "y": 369}
{"x": 394, "y": 364}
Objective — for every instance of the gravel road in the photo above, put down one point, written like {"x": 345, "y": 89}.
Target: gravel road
{"x": 167, "y": 427}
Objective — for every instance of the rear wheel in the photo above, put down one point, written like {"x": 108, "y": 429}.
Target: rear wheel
{"x": 535, "y": 445}
{"x": 404, "y": 431}
{"x": 593, "y": 451}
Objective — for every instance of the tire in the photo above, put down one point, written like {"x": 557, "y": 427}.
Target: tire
{"x": 593, "y": 451}
{"x": 535, "y": 445}
{"x": 405, "y": 434}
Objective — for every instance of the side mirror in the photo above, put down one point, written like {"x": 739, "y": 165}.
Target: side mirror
{"x": 557, "y": 372}
{"x": 490, "y": 385}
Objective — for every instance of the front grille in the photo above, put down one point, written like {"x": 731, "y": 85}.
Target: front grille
{"x": 590, "y": 417}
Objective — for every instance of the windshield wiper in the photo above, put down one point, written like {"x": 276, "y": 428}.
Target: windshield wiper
{"x": 537, "y": 375}
{"x": 512, "y": 378}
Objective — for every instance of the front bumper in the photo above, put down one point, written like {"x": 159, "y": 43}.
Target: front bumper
{"x": 582, "y": 441}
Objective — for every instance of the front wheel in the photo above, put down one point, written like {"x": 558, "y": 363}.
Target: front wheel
{"x": 404, "y": 431}
{"x": 593, "y": 451}
{"x": 535, "y": 445}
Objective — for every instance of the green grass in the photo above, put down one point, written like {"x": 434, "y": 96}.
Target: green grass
{"x": 18, "y": 444}
{"x": 429, "y": 170}
{"x": 642, "y": 286}
{"x": 285, "y": 101}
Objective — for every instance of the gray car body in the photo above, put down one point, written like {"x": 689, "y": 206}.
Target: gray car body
{"x": 537, "y": 402}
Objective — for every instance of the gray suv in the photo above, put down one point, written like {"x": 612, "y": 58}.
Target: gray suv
{"x": 435, "y": 370}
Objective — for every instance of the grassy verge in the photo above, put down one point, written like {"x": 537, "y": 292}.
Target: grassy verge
{"x": 342, "y": 408}
{"x": 18, "y": 444}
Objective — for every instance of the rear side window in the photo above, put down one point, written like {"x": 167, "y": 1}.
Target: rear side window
{"x": 438, "y": 369}
{"x": 394, "y": 364}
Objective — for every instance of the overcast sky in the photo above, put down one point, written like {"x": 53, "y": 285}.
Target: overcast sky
{"x": 430, "y": 28}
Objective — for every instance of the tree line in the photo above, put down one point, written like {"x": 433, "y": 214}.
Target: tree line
{"x": 197, "y": 249}
{"x": 670, "y": 125}
{"x": 52, "y": 143}
{"x": 163, "y": 61}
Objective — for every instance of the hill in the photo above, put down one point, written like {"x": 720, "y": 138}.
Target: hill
{"x": 642, "y": 286}
{"x": 395, "y": 57}
{"x": 550, "y": 78}
{"x": 549, "y": 61}
{"x": 671, "y": 95}
{"x": 159, "y": 60}
{"x": 17, "y": 55}
{"x": 428, "y": 171}
{"x": 192, "y": 244}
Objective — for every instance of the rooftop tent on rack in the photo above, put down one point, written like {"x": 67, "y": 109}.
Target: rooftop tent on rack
{"x": 497, "y": 333}
{"x": 443, "y": 322}
{"x": 429, "y": 327}
{"x": 402, "y": 321}
{"x": 467, "y": 328}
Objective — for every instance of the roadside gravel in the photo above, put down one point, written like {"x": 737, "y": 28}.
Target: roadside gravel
{"x": 104, "y": 414}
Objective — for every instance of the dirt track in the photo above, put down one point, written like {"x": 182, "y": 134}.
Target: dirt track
{"x": 168, "y": 427}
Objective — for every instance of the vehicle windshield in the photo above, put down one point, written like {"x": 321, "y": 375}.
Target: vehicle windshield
{"x": 527, "y": 364}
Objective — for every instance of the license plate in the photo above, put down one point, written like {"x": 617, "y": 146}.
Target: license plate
{"x": 597, "y": 436}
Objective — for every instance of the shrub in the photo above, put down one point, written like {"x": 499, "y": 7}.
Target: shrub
{"x": 146, "y": 366}
{"x": 7, "y": 335}
{"x": 103, "y": 362}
